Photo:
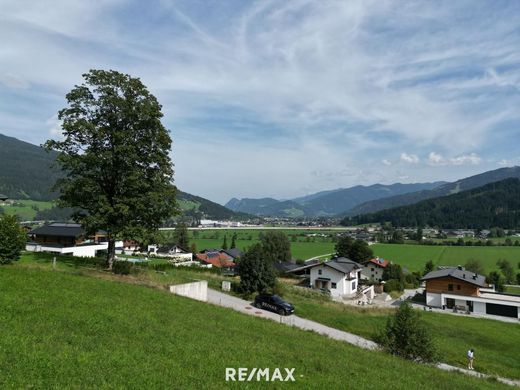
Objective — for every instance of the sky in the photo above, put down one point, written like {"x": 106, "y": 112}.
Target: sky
{"x": 284, "y": 98}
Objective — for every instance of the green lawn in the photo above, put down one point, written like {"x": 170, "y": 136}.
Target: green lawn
{"x": 512, "y": 290}
{"x": 67, "y": 329}
{"x": 495, "y": 342}
{"x": 415, "y": 256}
{"x": 27, "y": 209}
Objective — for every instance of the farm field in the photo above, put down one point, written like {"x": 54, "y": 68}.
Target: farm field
{"x": 414, "y": 257}
{"x": 495, "y": 342}
{"x": 126, "y": 335}
{"x": 26, "y": 209}
{"x": 411, "y": 256}
{"x": 302, "y": 246}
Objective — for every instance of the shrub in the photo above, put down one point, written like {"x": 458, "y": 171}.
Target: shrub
{"x": 407, "y": 336}
{"x": 12, "y": 239}
{"x": 122, "y": 267}
{"x": 393, "y": 285}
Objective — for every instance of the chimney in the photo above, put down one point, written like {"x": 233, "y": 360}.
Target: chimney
{"x": 464, "y": 276}
{"x": 475, "y": 277}
{"x": 460, "y": 267}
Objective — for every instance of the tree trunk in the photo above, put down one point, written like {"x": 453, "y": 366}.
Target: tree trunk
{"x": 111, "y": 253}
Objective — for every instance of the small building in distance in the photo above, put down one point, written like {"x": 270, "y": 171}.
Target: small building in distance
{"x": 459, "y": 289}
{"x": 373, "y": 269}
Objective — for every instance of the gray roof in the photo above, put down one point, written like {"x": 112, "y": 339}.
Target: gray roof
{"x": 342, "y": 264}
{"x": 458, "y": 273}
{"x": 59, "y": 229}
{"x": 234, "y": 252}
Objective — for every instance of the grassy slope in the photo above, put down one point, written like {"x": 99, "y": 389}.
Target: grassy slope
{"x": 495, "y": 342}
{"x": 415, "y": 256}
{"x": 69, "y": 330}
{"x": 24, "y": 210}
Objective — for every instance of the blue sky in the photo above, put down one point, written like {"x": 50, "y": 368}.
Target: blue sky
{"x": 284, "y": 98}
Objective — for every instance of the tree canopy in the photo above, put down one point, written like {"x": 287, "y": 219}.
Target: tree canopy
{"x": 256, "y": 273}
{"x": 115, "y": 157}
{"x": 276, "y": 246}
{"x": 357, "y": 250}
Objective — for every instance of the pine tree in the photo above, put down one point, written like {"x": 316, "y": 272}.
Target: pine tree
{"x": 234, "y": 241}
{"x": 406, "y": 335}
{"x": 224, "y": 243}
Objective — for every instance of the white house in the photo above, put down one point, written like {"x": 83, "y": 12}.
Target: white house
{"x": 340, "y": 276}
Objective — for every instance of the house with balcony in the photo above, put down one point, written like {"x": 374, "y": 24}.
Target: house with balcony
{"x": 67, "y": 239}
{"x": 459, "y": 289}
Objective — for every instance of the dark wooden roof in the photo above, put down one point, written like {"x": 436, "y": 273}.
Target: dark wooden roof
{"x": 59, "y": 229}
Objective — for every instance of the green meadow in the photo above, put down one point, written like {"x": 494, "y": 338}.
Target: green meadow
{"x": 414, "y": 257}
{"x": 26, "y": 209}
{"x": 77, "y": 327}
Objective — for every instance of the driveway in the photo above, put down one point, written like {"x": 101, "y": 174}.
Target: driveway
{"x": 218, "y": 298}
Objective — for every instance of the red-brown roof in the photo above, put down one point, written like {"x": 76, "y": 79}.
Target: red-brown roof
{"x": 379, "y": 262}
{"x": 222, "y": 260}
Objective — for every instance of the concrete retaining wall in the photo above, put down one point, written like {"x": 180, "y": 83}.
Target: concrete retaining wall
{"x": 196, "y": 290}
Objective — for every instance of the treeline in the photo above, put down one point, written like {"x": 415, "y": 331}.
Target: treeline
{"x": 495, "y": 204}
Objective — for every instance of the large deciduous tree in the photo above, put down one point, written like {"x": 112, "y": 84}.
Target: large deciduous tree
{"x": 256, "y": 272}
{"x": 115, "y": 156}
{"x": 12, "y": 239}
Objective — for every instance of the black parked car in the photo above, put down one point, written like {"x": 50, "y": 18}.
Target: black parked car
{"x": 273, "y": 303}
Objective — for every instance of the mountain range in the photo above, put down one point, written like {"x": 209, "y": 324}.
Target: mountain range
{"x": 27, "y": 172}
{"x": 442, "y": 190}
{"x": 483, "y": 207}
{"x": 325, "y": 203}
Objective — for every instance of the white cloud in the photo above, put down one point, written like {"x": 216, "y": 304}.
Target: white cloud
{"x": 386, "y": 162}
{"x": 464, "y": 159}
{"x": 436, "y": 159}
{"x": 409, "y": 158}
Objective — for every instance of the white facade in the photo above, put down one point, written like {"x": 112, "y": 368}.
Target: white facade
{"x": 479, "y": 303}
{"x": 78, "y": 251}
{"x": 337, "y": 282}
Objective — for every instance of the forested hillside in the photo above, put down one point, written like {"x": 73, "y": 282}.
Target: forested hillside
{"x": 442, "y": 190}
{"x": 26, "y": 171}
{"x": 495, "y": 204}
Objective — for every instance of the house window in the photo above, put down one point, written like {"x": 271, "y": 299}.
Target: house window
{"x": 333, "y": 285}
{"x": 458, "y": 286}
{"x": 319, "y": 272}
{"x": 371, "y": 269}
{"x": 354, "y": 285}
{"x": 450, "y": 287}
